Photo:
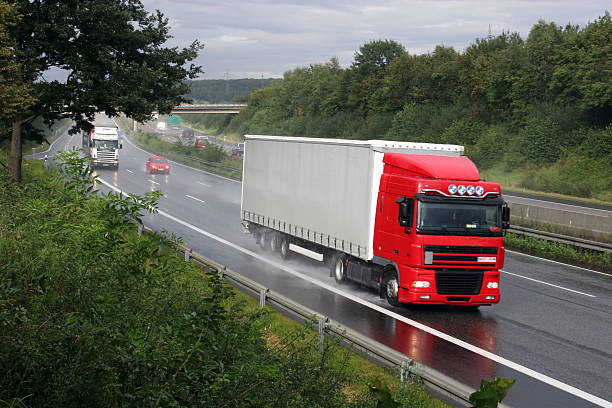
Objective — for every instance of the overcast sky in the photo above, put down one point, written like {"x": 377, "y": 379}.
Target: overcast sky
{"x": 265, "y": 38}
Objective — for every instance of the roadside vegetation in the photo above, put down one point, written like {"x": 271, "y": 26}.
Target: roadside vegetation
{"x": 601, "y": 261}
{"x": 537, "y": 109}
{"x": 92, "y": 314}
{"x": 211, "y": 158}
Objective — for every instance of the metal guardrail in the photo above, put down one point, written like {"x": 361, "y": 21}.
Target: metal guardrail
{"x": 563, "y": 239}
{"x": 214, "y": 164}
{"x": 408, "y": 369}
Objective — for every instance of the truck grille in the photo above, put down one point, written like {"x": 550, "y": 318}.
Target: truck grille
{"x": 459, "y": 256}
{"x": 106, "y": 157}
{"x": 458, "y": 282}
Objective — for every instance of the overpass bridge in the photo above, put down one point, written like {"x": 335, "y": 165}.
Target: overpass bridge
{"x": 209, "y": 108}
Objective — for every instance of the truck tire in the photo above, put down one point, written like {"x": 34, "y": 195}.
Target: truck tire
{"x": 264, "y": 241}
{"x": 391, "y": 286}
{"x": 285, "y": 252}
{"x": 338, "y": 268}
{"x": 274, "y": 242}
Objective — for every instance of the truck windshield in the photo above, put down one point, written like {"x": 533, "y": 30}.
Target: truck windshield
{"x": 106, "y": 144}
{"x": 445, "y": 218}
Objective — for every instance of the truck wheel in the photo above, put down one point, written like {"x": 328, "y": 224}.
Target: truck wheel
{"x": 391, "y": 288}
{"x": 285, "y": 252}
{"x": 274, "y": 242}
{"x": 264, "y": 241}
{"x": 338, "y": 267}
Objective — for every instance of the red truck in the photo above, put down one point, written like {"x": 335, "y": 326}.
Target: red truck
{"x": 414, "y": 221}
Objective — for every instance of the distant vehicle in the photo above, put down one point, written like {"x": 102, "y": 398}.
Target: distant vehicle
{"x": 202, "y": 141}
{"x": 102, "y": 143}
{"x": 238, "y": 150}
{"x": 161, "y": 125}
{"x": 158, "y": 164}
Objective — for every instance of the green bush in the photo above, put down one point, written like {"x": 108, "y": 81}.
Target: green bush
{"x": 490, "y": 147}
{"x": 91, "y": 314}
{"x": 463, "y": 132}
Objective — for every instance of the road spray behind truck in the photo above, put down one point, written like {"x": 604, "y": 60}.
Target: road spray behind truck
{"x": 102, "y": 143}
{"x": 412, "y": 220}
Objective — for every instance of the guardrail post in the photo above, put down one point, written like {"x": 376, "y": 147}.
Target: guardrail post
{"x": 405, "y": 371}
{"x": 33, "y": 152}
{"x": 221, "y": 272}
{"x": 160, "y": 248}
{"x": 140, "y": 228}
{"x": 322, "y": 325}
{"x": 263, "y": 294}
{"x": 187, "y": 254}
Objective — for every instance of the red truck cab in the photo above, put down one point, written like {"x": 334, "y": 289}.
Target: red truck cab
{"x": 440, "y": 226}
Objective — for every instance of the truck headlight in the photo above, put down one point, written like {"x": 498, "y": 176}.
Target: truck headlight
{"x": 493, "y": 285}
{"x": 421, "y": 284}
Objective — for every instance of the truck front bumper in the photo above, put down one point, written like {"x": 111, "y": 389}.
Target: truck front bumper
{"x": 488, "y": 294}
{"x": 432, "y": 298}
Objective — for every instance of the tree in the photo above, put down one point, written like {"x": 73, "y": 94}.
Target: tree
{"x": 15, "y": 96}
{"x": 112, "y": 54}
{"x": 367, "y": 73}
{"x": 582, "y": 74}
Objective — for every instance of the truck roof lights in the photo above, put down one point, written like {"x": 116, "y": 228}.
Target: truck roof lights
{"x": 461, "y": 189}
{"x": 480, "y": 190}
{"x": 471, "y": 190}
{"x": 452, "y": 189}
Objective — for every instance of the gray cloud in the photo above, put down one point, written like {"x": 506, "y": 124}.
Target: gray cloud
{"x": 258, "y": 38}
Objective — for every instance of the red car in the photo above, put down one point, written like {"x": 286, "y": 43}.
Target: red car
{"x": 202, "y": 141}
{"x": 158, "y": 164}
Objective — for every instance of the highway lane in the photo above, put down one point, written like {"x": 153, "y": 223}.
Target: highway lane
{"x": 561, "y": 331}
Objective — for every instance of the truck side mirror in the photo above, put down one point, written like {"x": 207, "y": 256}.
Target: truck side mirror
{"x": 406, "y": 206}
{"x": 505, "y": 217}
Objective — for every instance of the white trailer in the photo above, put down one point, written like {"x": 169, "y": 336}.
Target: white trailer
{"x": 102, "y": 142}
{"x": 322, "y": 191}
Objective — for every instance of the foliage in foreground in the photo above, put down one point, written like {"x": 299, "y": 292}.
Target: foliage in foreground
{"x": 91, "y": 314}
{"x": 491, "y": 393}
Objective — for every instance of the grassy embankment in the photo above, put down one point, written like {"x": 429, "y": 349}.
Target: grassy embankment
{"x": 93, "y": 315}
{"x": 213, "y": 124}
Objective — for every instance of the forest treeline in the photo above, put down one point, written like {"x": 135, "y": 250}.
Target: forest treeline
{"x": 226, "y": 90}
{"x": 541, "y": 104}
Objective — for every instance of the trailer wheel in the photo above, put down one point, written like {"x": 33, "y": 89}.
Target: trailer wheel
{"x": 264, "y": 241}
{"x": 391, "y": 287}
{"x": 338, "y": 267}
{"x": 284, "y": 247}
{"x": 274, "y": 246}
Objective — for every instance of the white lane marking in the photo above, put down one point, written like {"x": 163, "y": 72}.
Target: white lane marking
{"x": 546, "y": 283}
{"x": 184, "y": 165}
{"x": 482, "y": 352}
{"x": 197, "y": 199}
{"x": 129, "y": 171}
{"x": 558, "y": 263}
{"x": 154, "y": 182}
{"x": 554, "y": 202}
{"x": 203, "y": 184}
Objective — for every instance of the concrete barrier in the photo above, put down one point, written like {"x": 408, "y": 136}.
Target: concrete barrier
{"x": 571, "y": 221}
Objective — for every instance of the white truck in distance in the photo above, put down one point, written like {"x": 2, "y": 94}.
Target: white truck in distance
{"x": 102, "y": 143}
